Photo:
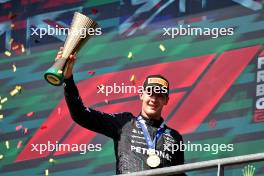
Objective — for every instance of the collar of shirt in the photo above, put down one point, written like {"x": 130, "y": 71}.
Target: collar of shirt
{"x": 152, "y": 122}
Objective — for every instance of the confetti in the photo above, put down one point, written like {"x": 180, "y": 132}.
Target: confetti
{"x": 91, "y": 72}
{"x": 22, "y": 48}
{"x": 132, "y": 78}
{"x": 212, "y": 123}
{"x": 1, "y": 116}
{"x": 16, "y": 90}
{"x": 8, "y": 53}
{"x": 60, "y": 71}
{"x": 130, "y": 55}
{"x": 12, "y": 25}
{"x": 43, "y": 127}
{"x": 46, "y": 172}
{"x": 25, "y": 130}
{"x": 30, "y": 114}
{"x": 19, "y": 127}
{"x": 1, "y": 157}
{"x": 59, "y": 110}
{"x": 3, "y": 100}
{"x": 15, "y": 47}
{"x": 14, "y": 67}
{"x": 7, "y": 144}
{"x": 13, "y": 92}
{"x": 11, "y": 41}
{"x": 106, "y": 101}
{"x": 11, "y": 15}
{"x": 162, "y": 47}
{"x": 19, "y": 144}
{"x": 94, "y": 11}
{"x": 51, "y": 160}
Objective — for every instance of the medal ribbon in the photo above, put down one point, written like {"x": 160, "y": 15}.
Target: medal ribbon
{"x": 151, "y": 144}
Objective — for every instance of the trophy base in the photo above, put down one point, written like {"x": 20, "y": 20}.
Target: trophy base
{"x": 54, "y": 76}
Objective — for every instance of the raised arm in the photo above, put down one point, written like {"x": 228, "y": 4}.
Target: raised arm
{"x": 107, "y": 124}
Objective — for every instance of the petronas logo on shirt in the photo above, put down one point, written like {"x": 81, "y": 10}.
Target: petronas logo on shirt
{"x": 248, "y": 170}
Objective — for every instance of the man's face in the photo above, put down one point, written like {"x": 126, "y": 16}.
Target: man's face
{"x": 152, "y": 104}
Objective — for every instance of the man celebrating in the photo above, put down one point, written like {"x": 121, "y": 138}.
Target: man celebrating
{"x": 141, "y": 142}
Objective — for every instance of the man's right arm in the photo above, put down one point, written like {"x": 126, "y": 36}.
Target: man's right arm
{"x": 107, "y": 124}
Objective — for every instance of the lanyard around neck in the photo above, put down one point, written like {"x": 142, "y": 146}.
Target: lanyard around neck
{"x": 151, "y": 144}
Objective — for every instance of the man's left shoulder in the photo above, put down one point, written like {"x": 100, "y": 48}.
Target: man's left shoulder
{"x": 173, "y": 133}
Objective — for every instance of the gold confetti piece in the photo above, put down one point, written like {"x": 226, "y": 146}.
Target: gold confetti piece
{"x": 13, "y": 92}
{"x": 22, "y": 48}
{"x": 14, "y": 68}
{"x": 1, "y": 157}
{"x": 130, "y": 55}
{"x": 51, "y": 160}
{"x": 132, "y": 78}
{"x": 19, "y": 144}
{"x": 3, "y": 100}
{"x": 7, "y": 144}
{"x": 60, "y": 71}
{"x": 16, "y": 90}
{"x": 11, "y": 41}
{"x": 162, "y": 47}
{"x": 12, "y": 25}
{"x": 1, "y": 116}
{"x": 46, "y": 172}
{"x": 8, "y": 53}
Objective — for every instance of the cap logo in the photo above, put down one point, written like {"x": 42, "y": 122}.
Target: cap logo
{"x": 159, "y": 81}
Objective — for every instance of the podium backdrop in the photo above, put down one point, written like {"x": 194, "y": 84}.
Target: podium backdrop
{"x": 216, "y": 83}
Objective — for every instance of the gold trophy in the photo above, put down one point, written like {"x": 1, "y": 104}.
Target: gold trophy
{"x": 75, "y": 39}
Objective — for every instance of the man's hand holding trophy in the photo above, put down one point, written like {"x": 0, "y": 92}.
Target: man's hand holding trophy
{"x": 62, "y": 68}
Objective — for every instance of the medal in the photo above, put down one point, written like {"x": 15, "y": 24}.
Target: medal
{"x": 153, "y": 161}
